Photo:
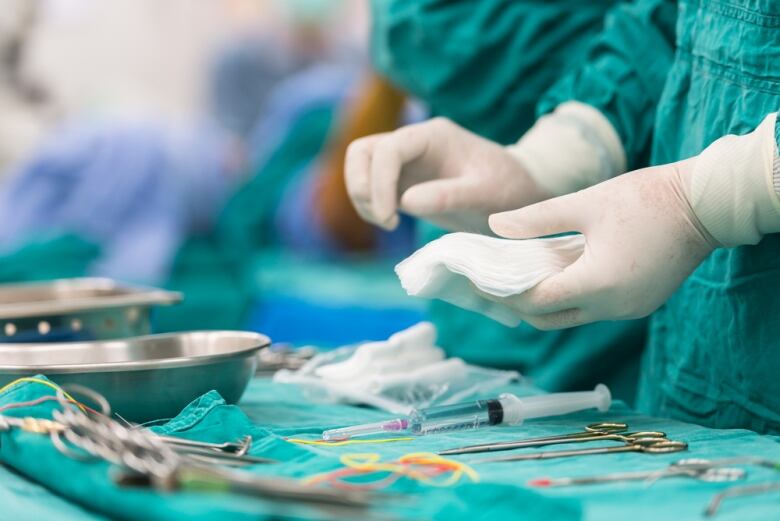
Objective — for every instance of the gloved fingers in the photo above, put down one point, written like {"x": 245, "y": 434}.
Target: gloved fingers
{"x": 388, "y": 159}
{"x": 557, "y": 215}
{"x": 438, "y": 196}
{"x": 565, "y": 290}
{"x": 564, "y": 318}
{"x": 558, "y": 320}
{"x": 357, "y": 171}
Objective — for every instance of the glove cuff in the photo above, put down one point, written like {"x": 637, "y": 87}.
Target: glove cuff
{"x": 733, "y": 189}
{"x": 570, "y": 149}
{"x": 776, "y": 173}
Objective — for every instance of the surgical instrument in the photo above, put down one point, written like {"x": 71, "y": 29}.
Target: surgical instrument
{"x": 592, "y": 432}
{"x": 283, "y": 356}
{"x": 212, "y": 479}
{"x": 230, "y": 447}
{"x": 506, "y": 409}
{"x": 740, "y": 491}
{"x": 226, "y": 458}
{"x": 702, "y": 470}
{"x": 233, "y": 453}
{"x": 29, "y": 424}
{"x": 142, "y": 454}
{"x": 643, "y": 445}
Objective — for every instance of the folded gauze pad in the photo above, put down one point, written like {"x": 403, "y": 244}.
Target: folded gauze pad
{"x": 458, "y": 267}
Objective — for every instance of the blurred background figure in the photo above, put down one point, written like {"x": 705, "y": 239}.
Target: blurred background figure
{"x": 21, "y": 99}
{"x": 199, "y": 146}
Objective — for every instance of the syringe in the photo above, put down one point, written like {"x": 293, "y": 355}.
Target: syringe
{"x": 507, "y": 409}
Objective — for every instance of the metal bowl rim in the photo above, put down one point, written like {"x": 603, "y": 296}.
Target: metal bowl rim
{"x": 135, "y": 296}
{"x": 262, "y": 341}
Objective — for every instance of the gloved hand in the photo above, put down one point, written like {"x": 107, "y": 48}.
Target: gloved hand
{"x": 642, "y": 241}
{"x": 438, "y": 171}
{"x": 646, "y": 231}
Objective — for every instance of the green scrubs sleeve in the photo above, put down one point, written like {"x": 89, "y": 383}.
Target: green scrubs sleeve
{"x": 482, "y": 63}
{"x": 624, "y": 73}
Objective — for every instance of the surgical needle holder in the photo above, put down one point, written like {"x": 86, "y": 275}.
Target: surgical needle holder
{"x": 699, "y": 469}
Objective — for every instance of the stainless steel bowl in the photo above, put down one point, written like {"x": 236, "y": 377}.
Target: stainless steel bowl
{"x": 144, "y": 378}
{"x": 77, "y": 309}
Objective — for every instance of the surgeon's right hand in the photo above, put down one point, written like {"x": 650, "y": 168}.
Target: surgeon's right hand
{"x": 438, "y": 171}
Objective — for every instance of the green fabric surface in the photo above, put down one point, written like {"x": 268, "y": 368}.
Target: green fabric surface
{"x": 485, "y": 65}
{"x": 246, "y": 223}
{"x": 212, "y": 281}
{"x": 712, "y": 356}
{"x": 210, "y": 419}
{"x": 624, "y": 73}
{"x": 270, "y": 411}
{"x": 56, "y": 257}
{"x": 358, "y": 280}
{"x": 23, "y": 500}
{"x": 279, "y": 409}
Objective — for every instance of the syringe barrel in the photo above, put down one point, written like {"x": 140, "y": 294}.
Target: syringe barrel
{"x": 456, "y": 417}
{"x": 517, "y": 410}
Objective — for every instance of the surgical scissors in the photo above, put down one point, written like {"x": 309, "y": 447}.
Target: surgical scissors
{"x": 593, "y": 432}
{"x": 648, "y": 445}
{"x": 700, "y": 469}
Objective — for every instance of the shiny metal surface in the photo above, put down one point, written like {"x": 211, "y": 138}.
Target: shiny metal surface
{"x": 77, "y": 309}
{"x": 144, "y": 378}
{"x": 600, "y": 430}
{"x": 650, "y": 445}
{"x": 68, "y": 295}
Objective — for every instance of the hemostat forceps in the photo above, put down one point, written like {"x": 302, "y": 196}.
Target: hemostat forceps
{"x": 648, "y": 445}
{"x": 593, "y": 432}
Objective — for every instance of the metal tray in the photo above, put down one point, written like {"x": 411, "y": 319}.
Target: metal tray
{"x": 144, "y": 378}
{"x": 77, "y": 309}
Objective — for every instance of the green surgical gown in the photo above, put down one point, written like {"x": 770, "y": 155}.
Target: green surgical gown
{"x": 485, "y": 64}
{"x": 712, "y": 355}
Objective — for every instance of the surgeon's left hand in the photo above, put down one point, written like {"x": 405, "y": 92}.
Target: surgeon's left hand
{"x": 642, "y": 241}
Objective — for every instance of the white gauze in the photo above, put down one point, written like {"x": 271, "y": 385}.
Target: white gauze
{"x": 476, "y": 272}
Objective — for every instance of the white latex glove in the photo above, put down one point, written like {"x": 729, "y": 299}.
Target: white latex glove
{"x": 438, "y": 171}
{"x": 642, "y": 241}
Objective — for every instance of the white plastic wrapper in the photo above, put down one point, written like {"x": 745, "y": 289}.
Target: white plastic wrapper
{"x": 404, "y": 372}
